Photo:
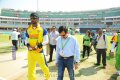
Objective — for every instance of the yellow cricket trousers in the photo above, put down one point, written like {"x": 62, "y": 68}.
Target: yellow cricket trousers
{"x": 33, "y": 58}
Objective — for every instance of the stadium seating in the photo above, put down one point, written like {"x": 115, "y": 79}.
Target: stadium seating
{"x": 79, "y": 19}
{"x": 83, "y": 14}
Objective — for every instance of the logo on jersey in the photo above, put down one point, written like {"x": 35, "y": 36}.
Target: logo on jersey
{"x": 38, "y": 31}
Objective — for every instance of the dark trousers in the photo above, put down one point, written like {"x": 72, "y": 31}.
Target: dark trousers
{"x": 65, "y": 63}
{"x": 86, "y": 48}
{"x": 52, "y": 47}
{"x": 14, "y": 42}
{"x": 94, "y": 46}
{"x": 103, "y": 53}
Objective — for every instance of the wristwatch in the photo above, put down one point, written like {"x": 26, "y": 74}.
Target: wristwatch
{"x": 76, "y": 62}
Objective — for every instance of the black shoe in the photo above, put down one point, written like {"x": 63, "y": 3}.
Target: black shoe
{"x": 49, "y": 61}
{"x": 96, "y": 64}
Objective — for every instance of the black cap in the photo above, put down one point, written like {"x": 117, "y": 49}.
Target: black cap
{"x": 35, "y": 15}
{"x": 53, "y": 27}
{"x": 118, "y": 31}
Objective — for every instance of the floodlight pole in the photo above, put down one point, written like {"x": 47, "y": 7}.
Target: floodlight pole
{"x": 37, "y": 5}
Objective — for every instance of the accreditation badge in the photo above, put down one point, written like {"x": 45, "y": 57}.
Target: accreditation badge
{"x": 62, "y": 53}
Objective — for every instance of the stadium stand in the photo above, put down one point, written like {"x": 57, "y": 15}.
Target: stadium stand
{"x": 10, "y": 18}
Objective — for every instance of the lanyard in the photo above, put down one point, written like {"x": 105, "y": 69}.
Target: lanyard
{"x": 65, "y": 43}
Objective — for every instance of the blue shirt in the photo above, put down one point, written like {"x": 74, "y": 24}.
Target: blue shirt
{"x": 71, "y": 48}
{"x": 23, "y": 35}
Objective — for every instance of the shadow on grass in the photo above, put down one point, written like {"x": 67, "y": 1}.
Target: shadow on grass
{"x": 6, "y": 49}
{"x": 53, "y": 68}
{"x": 110, "y": 60}
{"x": 82, "y": 60}
{"x": 88, "y": 71}
{"x": 108, "y": 57}
{"x": 113, "y": 77}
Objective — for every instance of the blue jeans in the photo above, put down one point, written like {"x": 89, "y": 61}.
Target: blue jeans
{"x": 65, "y": 63}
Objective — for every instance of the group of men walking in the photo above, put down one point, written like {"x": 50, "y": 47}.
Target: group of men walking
{"x": 66, "y": 46}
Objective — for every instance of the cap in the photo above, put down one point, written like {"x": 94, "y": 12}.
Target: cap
{"x": 35, "y": 15}
{"x": 77, "y": 30}
{"x": 53, "y": 27}
{"x": 104, "y": 30}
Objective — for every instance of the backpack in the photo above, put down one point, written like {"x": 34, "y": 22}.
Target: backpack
{"x": 95, "y": 43}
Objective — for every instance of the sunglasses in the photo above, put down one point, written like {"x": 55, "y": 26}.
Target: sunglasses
{"x": 63, "y": 35}
{"x": 33, "y": 18}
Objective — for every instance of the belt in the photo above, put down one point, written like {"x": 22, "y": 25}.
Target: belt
{"x": 67, "y": 57}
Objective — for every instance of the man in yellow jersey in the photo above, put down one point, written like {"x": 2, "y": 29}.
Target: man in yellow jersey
{"x": 36, "y": 38}
{"x": 113, "y": 42}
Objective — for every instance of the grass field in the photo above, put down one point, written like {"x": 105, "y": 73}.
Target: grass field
{"x": 4, "y": 38}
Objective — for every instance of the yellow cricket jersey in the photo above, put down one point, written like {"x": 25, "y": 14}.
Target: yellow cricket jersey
{"x": 115, "y": 38}
{"x": 35, "y": 35}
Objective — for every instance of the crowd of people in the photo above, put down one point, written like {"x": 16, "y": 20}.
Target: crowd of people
{"x": 66, "y": 47}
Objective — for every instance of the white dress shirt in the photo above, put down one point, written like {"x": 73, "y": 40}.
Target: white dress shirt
{"x": 53, "y": 37}
{"x": 71, "y": 48}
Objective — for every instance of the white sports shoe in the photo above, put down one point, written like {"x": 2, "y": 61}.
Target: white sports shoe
{"x": 118, "y": 73}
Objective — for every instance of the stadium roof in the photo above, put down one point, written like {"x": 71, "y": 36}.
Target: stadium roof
{"x": 78, "y": 14}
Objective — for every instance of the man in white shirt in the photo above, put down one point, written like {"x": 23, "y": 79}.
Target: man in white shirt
{"x": 14, "y": 38}
{"x": 101, "y": 47}
{"x": 67, "y": 53}
{"x": 53, "y": 36}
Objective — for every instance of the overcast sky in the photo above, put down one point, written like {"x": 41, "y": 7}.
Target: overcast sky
{"x": 59, "y": 5}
